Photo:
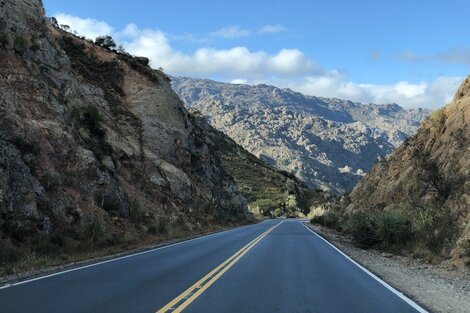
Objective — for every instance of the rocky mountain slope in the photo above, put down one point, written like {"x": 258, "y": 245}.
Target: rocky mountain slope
{"x": 97, "y": 150}
{"x": 269, "y": 192}
{"x": 329, "y": 143}
{"x": 428, "y": 177}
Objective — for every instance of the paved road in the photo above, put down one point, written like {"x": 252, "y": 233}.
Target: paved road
{"x": 275, "y": 266}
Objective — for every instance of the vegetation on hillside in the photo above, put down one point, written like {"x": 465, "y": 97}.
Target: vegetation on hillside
{"x": 270, "y": 192}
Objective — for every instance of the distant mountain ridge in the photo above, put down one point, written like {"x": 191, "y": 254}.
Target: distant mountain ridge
{"x": 329, "y": 143}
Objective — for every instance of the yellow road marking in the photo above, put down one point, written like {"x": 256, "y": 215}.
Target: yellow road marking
{"x": 190, "y": 294}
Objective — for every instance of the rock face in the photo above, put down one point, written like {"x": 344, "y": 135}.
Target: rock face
{"x": 430, "y": 171}
{"x": 91, "y": 138}
{"x": 329, "y": 143}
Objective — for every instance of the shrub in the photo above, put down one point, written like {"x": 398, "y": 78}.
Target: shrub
{"x": 22, "y": 43}
{"x": 163, "y": 225}
{"x": 88, "y": 121}
{"x": 328, "y": 219}
{"x": 265, "y": 205}
{"x": 105, "y": 42}
{"x": 48, "y": 244}
{"x": 434, "y": 227}
{"x": 54, "y": 21}
{"x": 393, "y": 228}
{"x": 26, "y": 147}
{"x": 5, "y": 40}
{"x": 437, "y": 116}
{"x": 363, "y": 228}
{"x": 111, "y": 204}
{"x": 93, "y": 230}
{"x": 136, "y": 212}
{"x": 182, "y": 222}
{"x": 8, "y": 252}
{"x": 427, "y": 230}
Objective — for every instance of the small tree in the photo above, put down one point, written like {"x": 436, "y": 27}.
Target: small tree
{"x": 65, "y": 27}
{"x": 120, "y": 49}
{"x": 105, "y": 42}
{"x": 54, "y": 22}
{"x": 291, "y": 202}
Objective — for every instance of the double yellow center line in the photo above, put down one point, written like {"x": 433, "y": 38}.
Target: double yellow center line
{"x": 179, "y": 303}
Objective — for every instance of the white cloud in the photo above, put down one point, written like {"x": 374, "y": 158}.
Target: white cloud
{"x": 286, "y": 68}
{"x": 231, "y": 32}
{"x": 278, "y": 28}
{"x": 229, "y": 63}
{"x": 87, "y": 27}
{"x": 433, "y": 94}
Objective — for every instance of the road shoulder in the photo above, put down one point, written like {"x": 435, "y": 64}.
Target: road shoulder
{"x": 438, "y": 288}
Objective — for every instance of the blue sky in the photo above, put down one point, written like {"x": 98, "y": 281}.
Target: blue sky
{"x": 411, "y": 52}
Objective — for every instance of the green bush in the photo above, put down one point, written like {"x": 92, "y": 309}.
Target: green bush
{"x": 434, "y": 227}
{"x": 265, "y": 205}
{"x": 424, "y": 230}
{"x": 330, "y": 219}
{"x": 388, "y": 229}
{"x": 363, "y": 228}
{"x": 393, "y": 228}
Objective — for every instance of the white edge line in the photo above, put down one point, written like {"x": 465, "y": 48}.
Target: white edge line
{"x": 385, "y": 284}
{"x": 122, "y": 257}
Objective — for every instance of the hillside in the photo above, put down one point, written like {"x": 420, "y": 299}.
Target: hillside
{"x": 328, "y": 143}
{"x": 98, "y": 151}
{"x": 269, "y": 192}
{"x": 428, "y": 178}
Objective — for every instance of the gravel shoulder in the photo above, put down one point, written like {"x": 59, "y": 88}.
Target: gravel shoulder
{"x": 438, "y": 288}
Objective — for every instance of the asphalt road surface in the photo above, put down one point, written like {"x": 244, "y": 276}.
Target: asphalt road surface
{"x": 274, "y": 266}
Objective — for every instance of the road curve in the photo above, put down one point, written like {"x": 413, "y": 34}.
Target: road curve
{"x": 274, "y": 266}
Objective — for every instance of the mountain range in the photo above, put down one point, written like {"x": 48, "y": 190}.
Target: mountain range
{"x": 328, "y": 143}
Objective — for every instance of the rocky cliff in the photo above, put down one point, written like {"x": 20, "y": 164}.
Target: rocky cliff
{"x": 95, "y": 147}
{"x": 329, "y": 143}
{"x": 429, "y": 175}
